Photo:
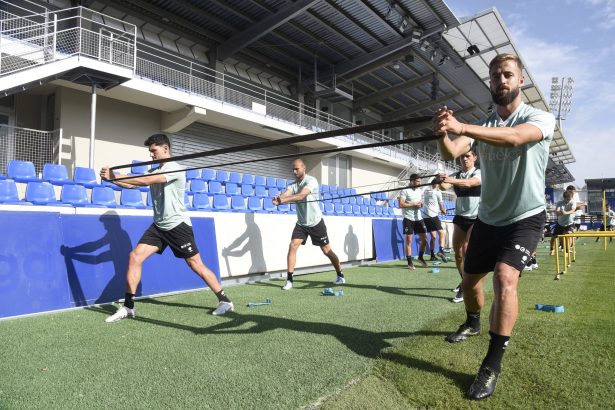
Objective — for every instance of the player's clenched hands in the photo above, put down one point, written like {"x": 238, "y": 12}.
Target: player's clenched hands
{"x": 444, "y": 122}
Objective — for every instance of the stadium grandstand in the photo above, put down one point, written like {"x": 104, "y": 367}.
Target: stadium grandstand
{"x": 82, "y": 87}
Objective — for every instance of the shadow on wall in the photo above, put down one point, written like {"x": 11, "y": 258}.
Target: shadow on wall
{"x": 114, "y": 246}
{"x": 252, "y": 242}
{"x": 351, "y": 244}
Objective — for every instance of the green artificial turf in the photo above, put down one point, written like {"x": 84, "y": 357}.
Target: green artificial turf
{"x": 381, "y": 345}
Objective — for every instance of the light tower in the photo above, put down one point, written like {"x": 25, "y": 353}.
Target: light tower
{"x": 561, "y": 98}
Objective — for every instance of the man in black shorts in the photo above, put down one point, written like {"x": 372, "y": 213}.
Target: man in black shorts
{"x": 513, "y": 147}
{"x": 466, "y": 184}
{"x": 411, "y": 202}
{"x": 172, "y": 226}
{"x": 304, "y": 192}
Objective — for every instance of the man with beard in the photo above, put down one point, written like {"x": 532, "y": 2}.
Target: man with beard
{"x": 513, "y": 146}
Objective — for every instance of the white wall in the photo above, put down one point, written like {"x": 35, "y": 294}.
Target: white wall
{"x": 258, "y": 243}
{"x": 121, "y": 129}
{"x": 370, "y": 172}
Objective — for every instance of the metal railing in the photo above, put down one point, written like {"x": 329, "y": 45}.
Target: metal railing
{"x": 28, "y": 39}
{"x": 24, "y": 144}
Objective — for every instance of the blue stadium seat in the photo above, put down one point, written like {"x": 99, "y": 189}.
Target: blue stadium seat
{"x": 208, "y": 174}
{"x": 193, "y": 174}
{"x": 324, "y": 188}
{"x": 326, "y": 196}
{"x": 103, "y": 196}
{"x": 339, "y": 208}
{"x": 364, "y": 210}
{"x": 247, "y": 190}
{"x": 372, "y": 210}
{"x": 273, "y": 191}
{"x": 255, "y": 204}
{"x": 235, "y": 177}
{"x": 41, "y": 193}
{"x": 347, "y": 191}
{"x": 200, "y": 202}
{"x": 131, "y": 198}
{"x": 293, "y": 207}
{"x": 232, "y": 188}
{"x": 111, "y": 185}
{"x": 281, "y": 183}
{"x": 329, "y": 208}
{"x": 221, "y": 176}
{"x": 356, "y": 210}
{"x": 238, "y": 203}
{"x": 345, "y": 200}
{"x": 285, "y": 208}
{"x": 9, "y": 194}
{"x": 379, "y": 209}
{"x": 347, "y": 209}
{"x": 260, "y": 180}
{"x": 290, "y": 181}
{"x": 22, "y": 171}
{"x": 188, "y": 202}
{"x": 220, "y": 202}
{"x": 75, "y": 195}
{"x": 359, "y": 200}
{"x": 268, "y": 205}
{"x": 138, "y": 169}
{"x": 391, "y": 211}
{"x": 214, "y": 187}
{"x": 197, "y": 185}
{"x": 260, "y": 191}
{"x": 247, "y": 179}
{"x": 85, "y": 176}
{"x": 271, "y": 182}
{"x": 352, "y": 200}
{"x": 56, "y": 174}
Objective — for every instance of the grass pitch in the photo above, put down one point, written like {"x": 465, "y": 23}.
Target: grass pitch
{"x": 381, "y": 345}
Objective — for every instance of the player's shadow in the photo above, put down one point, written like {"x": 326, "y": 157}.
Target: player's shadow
{"x": 114, "y": 246}
{"x": 393, "y": 290}
{"x": 362, "y": 342}
{"x": 250, "y": 241}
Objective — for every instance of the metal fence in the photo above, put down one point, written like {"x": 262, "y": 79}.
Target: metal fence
{"x": 24, "y": 144}
{"x": 29, "y": 39}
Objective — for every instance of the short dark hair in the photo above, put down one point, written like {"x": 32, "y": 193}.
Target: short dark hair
{"x": 414, "y": 176}
{"x": 570, "y": 188}
{"x": 157, "y": 139}
{"x": 567, "y": 195}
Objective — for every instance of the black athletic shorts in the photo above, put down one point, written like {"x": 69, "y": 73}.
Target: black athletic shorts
{"x": 432, "y": 224}
{"x": 563, "y": 230}
{"x": 464, "y": 223}
{"x": 317, "y": 233}
{"x": 511, "y": 244}
{"x": 411, "y": 227}
{"x": 180, "y": 239}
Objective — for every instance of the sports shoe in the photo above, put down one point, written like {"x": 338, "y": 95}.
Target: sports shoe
{"x": 422, "y": 262}
{"x": 288, "y": 285}
{"x": 462, "y": 334}
{"x": 457, "y": 288}
{"x": 411, "y": 267}
{"x": 121, "y": 313}
{"x": 534, "y": 266}
{"x": 433, "y": 258}
{"x": 527, "y": 268}
{"x": 340, "y": 281}
{"x": 484, "y": 384}
{"x": 442, "y": 256}
{"x": 458, "y": 297}
{"x": 223, "y": 307}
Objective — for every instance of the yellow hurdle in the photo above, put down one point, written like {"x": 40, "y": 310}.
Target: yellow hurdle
{"x": 570, "y": 255}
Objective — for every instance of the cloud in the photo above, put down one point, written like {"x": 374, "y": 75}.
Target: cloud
{"x": 605, "y": 13}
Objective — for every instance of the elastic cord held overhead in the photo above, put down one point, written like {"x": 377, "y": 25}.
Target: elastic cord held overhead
{"x": 301, "y": 154}
{"x": 286, "y": 141}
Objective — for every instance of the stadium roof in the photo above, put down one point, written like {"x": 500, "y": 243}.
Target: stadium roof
{"x": 478, "y": 39}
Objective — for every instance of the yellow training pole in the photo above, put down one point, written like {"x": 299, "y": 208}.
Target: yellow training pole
{"x": 557, "y": 259}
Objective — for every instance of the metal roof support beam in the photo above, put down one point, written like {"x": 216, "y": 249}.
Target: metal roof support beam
{"x": 389, "y": 92}
{"x": 419, "y": 107}
{"x": 262, "y": 28}
{"x": 370, "y": 61}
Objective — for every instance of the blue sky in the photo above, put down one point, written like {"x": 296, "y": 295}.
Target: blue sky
{"x": 570, "y": 38}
